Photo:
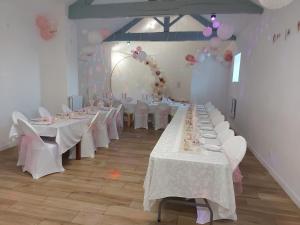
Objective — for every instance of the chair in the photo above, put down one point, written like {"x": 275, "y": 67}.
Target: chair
{"x": 141, "y": 115}
{"x": 19, "y": 136}
{"x": 214, "y": 112}
{"x": 112, "y": 124}
{"x": 217, "y": 119}
{"x": 222, "y": 127}
{"x": 225, "y": 135}
{"x": 161, "y": 116}
{"x": 120, "y": 119}
{"x": 65, "y": 109}
{"x": 41, "y": 158}
{"x": 88, "y": 147}
{"x": 100, "y": 132}
{"x": 235, "y": 150}
{"x": 44, "y": 112}
{"x": 220, "y": 139}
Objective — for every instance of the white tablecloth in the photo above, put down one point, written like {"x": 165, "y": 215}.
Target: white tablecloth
{"x": 67, "y": 132}
{"x": 173, "y": 172}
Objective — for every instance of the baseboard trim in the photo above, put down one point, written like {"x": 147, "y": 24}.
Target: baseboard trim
{"x": 295, "y": 198}
{"x": 7, "y": 146}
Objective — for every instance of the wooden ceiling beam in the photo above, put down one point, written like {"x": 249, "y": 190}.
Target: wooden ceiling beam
{"x": 162, "y": 8}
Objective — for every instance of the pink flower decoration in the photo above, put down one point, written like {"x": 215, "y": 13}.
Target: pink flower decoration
{"x": 139, "y": 48}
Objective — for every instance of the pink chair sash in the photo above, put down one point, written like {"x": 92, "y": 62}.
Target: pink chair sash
{"x": 237, "y": 181}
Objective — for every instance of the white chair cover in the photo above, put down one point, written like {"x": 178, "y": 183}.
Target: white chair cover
{"x": 120, "y": 118}
{"x": 161, "y": 116}
{"x": 217, "y": 119}
{"x": 222, "y": 127}
{"x": 88, "y": 147}
{"x": 141, "y": 115}
{"x": 214, "y": 113}
{"x": 41, "y": 158}
{"x": 21, "y": 143}
{"x": 235, "y": 150}
{"x": 65, "y": 109}
{"x": 112, "y": 124}
{"x": 100, "y": 131}
{"x": 225, "y": 135}
{"x": 44, "y": 112}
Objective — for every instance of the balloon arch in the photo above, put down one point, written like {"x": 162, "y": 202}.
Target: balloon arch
{"x": 140, "y": 55}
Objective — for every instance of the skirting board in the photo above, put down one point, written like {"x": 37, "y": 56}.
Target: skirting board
{"x": 295, "y": 198}
{"x": 4, "y": 147}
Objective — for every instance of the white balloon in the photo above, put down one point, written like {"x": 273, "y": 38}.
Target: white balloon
{"x": 215, "y": 42}
{"x": 225, "y": 32}
{"x": 142, "y": 55}
{"x": 94, "y": 37}
{"x": 88, "y": 50}
{"x": 274, "y": 4}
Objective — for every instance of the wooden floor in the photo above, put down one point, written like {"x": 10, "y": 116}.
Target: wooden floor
{"x": 108, "y": 190}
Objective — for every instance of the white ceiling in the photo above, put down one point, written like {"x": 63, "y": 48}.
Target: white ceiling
{"x": 115, "y": 1}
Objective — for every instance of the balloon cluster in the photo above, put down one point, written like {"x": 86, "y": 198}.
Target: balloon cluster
{"x": 160, "y": 82}
{"x": 47, "y": 29}
{"x": 224, "y": 32}
{"x": 94, "y": 38}
{"x": 209, "y": 51}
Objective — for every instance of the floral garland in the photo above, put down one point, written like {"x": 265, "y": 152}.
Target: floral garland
{"x": 160, "y": 82}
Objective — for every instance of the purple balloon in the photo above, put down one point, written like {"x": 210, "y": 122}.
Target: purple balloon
{"x": 216, "y": 24}
{"x": 207, "y": 31}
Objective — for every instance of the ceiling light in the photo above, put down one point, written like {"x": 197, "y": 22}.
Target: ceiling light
{"x": 213, "y": 17}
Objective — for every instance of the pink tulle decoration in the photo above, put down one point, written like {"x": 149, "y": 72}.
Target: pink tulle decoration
{"x": 238, "y": 181}
{"x": 207, "y": 31}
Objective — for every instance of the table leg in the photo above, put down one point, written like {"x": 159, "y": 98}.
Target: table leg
{"x": 128, "y": 119}
{"x": 78, "y": 151}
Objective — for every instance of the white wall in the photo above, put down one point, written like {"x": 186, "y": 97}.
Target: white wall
{"x": 268, "y": 94}
{"x": 209, "y": 83}
{"x": 19, "y": 64}
{"x": 32, "y": 71}
{"x": 58, "y": 59}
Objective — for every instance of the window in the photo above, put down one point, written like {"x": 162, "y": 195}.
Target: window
{"x": 236, "y": 68}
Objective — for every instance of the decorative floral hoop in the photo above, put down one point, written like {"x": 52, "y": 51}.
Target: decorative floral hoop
{"x": 160, "y": 82}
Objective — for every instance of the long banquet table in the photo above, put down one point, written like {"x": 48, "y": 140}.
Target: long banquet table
{"x": 174, "y": 172}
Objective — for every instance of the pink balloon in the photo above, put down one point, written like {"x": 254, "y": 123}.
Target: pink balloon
{"x": 216, "y": 24}
{"x": 46, "y": 34}
{"x": 225, "y": 31}
{"x": 207, "y": 31}
{"x": 42, "y": 22}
